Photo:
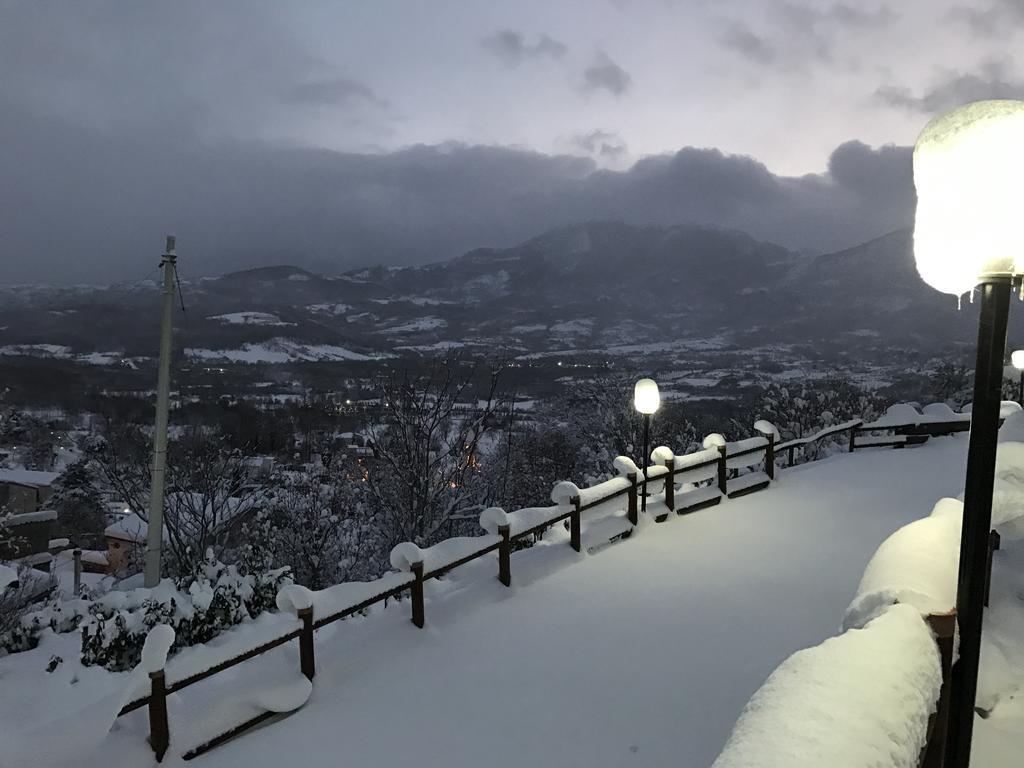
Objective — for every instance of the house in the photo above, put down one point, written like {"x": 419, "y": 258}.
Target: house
{"x": 126, "y": 543}
{"x": 27, "y": 536}
{"x": 24, "y": 494}
{"x": 25, "y": 490}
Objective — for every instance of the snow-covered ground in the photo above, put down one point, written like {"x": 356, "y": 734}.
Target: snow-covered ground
{"x": 640, "y": 654}
{"x": 249, "y": 318}
{"x": 277, "y": 350}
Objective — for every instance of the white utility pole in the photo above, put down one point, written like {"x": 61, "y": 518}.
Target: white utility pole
{"x": 154, "y": 535}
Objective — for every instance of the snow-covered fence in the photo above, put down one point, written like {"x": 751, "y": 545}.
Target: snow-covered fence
{"x": 802, "y": 443}
{"x": 877, "y": 694}
{"x": 903, "y": 424}
{"x": 677, "y": 483}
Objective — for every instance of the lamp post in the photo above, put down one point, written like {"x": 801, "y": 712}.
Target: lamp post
{"x": 1017, "y": 360}
{"x": 969, "y": 171}
{"x": 646, "y": 400}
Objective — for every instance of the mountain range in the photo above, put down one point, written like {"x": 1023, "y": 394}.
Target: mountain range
{"x": 591, "y": 289}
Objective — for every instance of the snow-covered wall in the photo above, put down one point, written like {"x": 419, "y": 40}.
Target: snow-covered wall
{"x": 860, "y": 699}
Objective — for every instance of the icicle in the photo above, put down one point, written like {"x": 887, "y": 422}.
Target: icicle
{"x": 959, "y": 302}
{"x": 972, "y": 295}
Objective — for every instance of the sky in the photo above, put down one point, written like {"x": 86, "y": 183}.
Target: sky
{"x": 340, "y": 134}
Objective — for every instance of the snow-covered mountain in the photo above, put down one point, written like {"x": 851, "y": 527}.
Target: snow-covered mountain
{"x": 590, "y": 287}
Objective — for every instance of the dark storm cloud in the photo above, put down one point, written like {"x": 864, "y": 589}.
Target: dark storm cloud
{"x": 339, "y": 91}
{"x": 601, "y": 144}
{"x": 955, "y": 89}
{"x": 513, "y": 48}
{"x": 86, "y": 205}
{"x": 119, "y": 123}
{"x": 605, "y": 74}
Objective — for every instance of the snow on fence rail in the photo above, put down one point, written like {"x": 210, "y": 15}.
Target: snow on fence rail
{"x": 681, "y": 484}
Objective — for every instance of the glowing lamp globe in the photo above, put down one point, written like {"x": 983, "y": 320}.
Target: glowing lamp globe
{"x": 646, "y": 397}
{"x": 969, "y": 176}
{"x": 1017, "y": 359}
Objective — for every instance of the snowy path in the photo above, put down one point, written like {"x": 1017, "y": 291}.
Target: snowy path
{"x": 641, "y": 654}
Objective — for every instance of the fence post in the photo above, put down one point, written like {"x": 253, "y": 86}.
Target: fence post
{"x": 789, "y": 452}
{"x": 943, "y": 625}
{"x": 505, "y": 555}
{"x": 769, "y": 457}
{"x": 78, "y": 571}
{"x": 159, "y": 733}
{"x": 307, "y": 660}
{"x": 670, "y": 484}
{"x": 853, "y": 433}
{"x": 631, "y": 512}
{"x": 417, "y": 595}
{"x": 722, "y": 471}
{"x": 574, "y": 524}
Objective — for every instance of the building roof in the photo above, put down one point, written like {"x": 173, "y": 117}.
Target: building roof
{"x": 130, "y": 527}
{"x": 29, "y": 477}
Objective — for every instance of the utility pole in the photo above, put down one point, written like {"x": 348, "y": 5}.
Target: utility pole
{"x": 155, "y": 531}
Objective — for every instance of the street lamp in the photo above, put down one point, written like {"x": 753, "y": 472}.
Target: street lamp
{"x": 1017, "y": 360}
{"x": 969, "y": 175}
{"x": 646, "y": 400}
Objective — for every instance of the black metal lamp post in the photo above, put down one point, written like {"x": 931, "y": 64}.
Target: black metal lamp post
{"x": 968, "y": 168}
{"x": 646, "y": 400}
{"x": 1017, "y": 360}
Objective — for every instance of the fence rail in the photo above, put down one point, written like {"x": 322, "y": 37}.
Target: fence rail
{"x": 669, "y": 471}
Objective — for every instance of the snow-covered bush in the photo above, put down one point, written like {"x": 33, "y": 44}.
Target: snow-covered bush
{"x": 198, "y": 608}
{"x": 21, "y": 632}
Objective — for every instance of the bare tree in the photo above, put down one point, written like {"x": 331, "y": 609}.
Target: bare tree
{"x": 425, "y": 472}
{"x": 208, "y": 489}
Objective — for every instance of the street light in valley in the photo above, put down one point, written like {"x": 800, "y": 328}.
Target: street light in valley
{"x": 646, "y": 400}
{"x": 1017, "y": 360}
{"x": 969, "y": 175}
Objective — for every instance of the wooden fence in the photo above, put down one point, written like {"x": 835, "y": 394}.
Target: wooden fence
{"x": 718, "y": 467}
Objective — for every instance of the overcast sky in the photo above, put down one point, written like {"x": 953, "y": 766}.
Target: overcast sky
{"x": 337, "y": 134}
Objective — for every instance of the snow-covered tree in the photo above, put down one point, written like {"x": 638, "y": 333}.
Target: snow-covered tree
{"x": 951, "y": 383}
{"x": 799, "y": 410}
{"x": 425, "y": 472}
{"x": 81, "y": 515}
{"x": 600, "y": 419}
{"x": 527, "y": 462}
{"x": 319, "y": 524}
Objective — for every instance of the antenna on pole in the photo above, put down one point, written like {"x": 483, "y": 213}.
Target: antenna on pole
{"x": 154, "y": 534}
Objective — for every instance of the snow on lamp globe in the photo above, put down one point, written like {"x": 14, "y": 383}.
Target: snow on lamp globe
{"x": 969, "y": 177}
{"x": 646, "y": 400}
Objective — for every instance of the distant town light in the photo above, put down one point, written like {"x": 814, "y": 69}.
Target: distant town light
{"x": 969, "y": 176}
{"x": 646, "y": 397}
{"x": 1017, "y": 359}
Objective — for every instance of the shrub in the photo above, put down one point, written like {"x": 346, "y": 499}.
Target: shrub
{"x": 215, "y": 597}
